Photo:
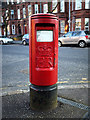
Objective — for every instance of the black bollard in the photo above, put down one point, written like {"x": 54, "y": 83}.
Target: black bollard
{"x": 43, "y": 61}
{"x": 43, "y": 98}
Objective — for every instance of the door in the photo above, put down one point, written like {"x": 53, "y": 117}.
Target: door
{"x": 19, "y": 29}
{"x": 43, "y": 57}
{"x": 25, "y": 29}
{"x": 75, "y": 37}
{"x": 44, "y": 48}
{"x": 67, "y": 38}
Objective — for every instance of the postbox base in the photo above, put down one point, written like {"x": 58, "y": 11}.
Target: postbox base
{"x": 43, "y": 98}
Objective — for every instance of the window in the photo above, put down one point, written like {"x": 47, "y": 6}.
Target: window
{"x": 87, "y": 4}
{"x": 45, "y": 8}
{"x": 4, "y": 32}
{"x": 18, "y": 1}
{"x": 62, "y": 6}
{"x": 62, "y": 24}
{"x": 26, "y": 36}
{"x": 36, "y": 8}
{"x": 0, "y": 31}
{"x": 87, "y": 24}
{"x": 7, "y": 15}
{"x": 76, "y": 33}
{"x": 18, "y": 13}
{"x": 1, "y": 19}
{"x": 24, "y": 13}
{"x": 8, "y": 2}
{"x": 8, "y": 30}
{"x": 54, "y": 3}
{"x": 87, "y": 32}
{"x": 12, "y": 1}
{"x": 78, "y": 4}
{"x": 78, "y": 24}
{"x": 12, "y": 14}
{"x": 29, "y": 10}
{"x": 13, "y": 29}
{"x": 69, "y": 34}
{"x": 23, "y": 0}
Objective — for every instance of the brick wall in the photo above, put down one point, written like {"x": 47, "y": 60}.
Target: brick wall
{"x": 23, "y": 23}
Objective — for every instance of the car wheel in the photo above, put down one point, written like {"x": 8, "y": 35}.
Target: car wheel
{"x": 24, "y": 42}
{"x": 59, "y": 44}
{"x": 82, "y": 44}
{"x": 1, "y": 42}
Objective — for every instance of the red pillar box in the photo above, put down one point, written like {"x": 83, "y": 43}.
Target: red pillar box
{"x": 43, "y": 49}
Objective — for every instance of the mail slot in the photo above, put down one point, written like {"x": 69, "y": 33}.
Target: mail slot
{"x": 43, "y": 49}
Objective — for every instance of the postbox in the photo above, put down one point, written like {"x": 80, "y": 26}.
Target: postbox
{"x": 43, "y": 61}
{"x": 43, "y": 49}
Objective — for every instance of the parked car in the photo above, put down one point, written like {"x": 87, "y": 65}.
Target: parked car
{"x": 80, "y": 38}
{"x": 17, "y": 37}
{"x": 25, "y": 39}
{"x": 5, "y": 40}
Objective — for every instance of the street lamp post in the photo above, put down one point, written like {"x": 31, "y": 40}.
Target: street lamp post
{"x": 72, "y": 17}
{"x": 69, "y": 16}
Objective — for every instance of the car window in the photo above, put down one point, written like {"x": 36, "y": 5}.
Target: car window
{"x": 27, "y": 36}
{"x": 83, "y": 33}
{"x": 69, "y": 34}
{"x": 87, "y": 32}
{"x": 76, "y": 33}
{"x": 24, "y": 36}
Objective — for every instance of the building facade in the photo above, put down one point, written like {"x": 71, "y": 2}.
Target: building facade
{"x": 72, "y": 16}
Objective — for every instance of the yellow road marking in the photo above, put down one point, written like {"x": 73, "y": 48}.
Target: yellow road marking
{"x": 19, "y": 85}
{"x": 3, "y": 88}
{"x": 84, "y": 78}
{"x": 82, "y": 82}
{"x": 22, "y": 85}
{"x": 63, "y": 82}
{"x": 24, "y": 71}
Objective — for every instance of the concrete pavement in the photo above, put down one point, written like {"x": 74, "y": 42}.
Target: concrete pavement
{"x": 72, "y": 103}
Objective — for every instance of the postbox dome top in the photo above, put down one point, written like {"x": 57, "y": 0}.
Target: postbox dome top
{"x": 44, "y": 15}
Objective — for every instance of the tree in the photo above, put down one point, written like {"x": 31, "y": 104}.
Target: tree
{"x": 50, "y": 6}
{"x": 6, "y": 16}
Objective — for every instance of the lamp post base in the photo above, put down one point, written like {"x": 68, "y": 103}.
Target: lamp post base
{"x": 43, "y": 98}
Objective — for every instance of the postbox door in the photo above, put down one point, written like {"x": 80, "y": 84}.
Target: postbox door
{"x": 44, "y": 48}
{"x": 44, "y": 67}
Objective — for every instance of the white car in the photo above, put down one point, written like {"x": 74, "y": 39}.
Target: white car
{"x": 80, "y": 38}
{"x": 5, "y": 40}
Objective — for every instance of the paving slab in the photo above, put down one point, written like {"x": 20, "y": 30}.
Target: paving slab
{"x": 79, "y": 95}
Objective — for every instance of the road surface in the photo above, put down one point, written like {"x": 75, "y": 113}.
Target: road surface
{"x": 72, "y": 67}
